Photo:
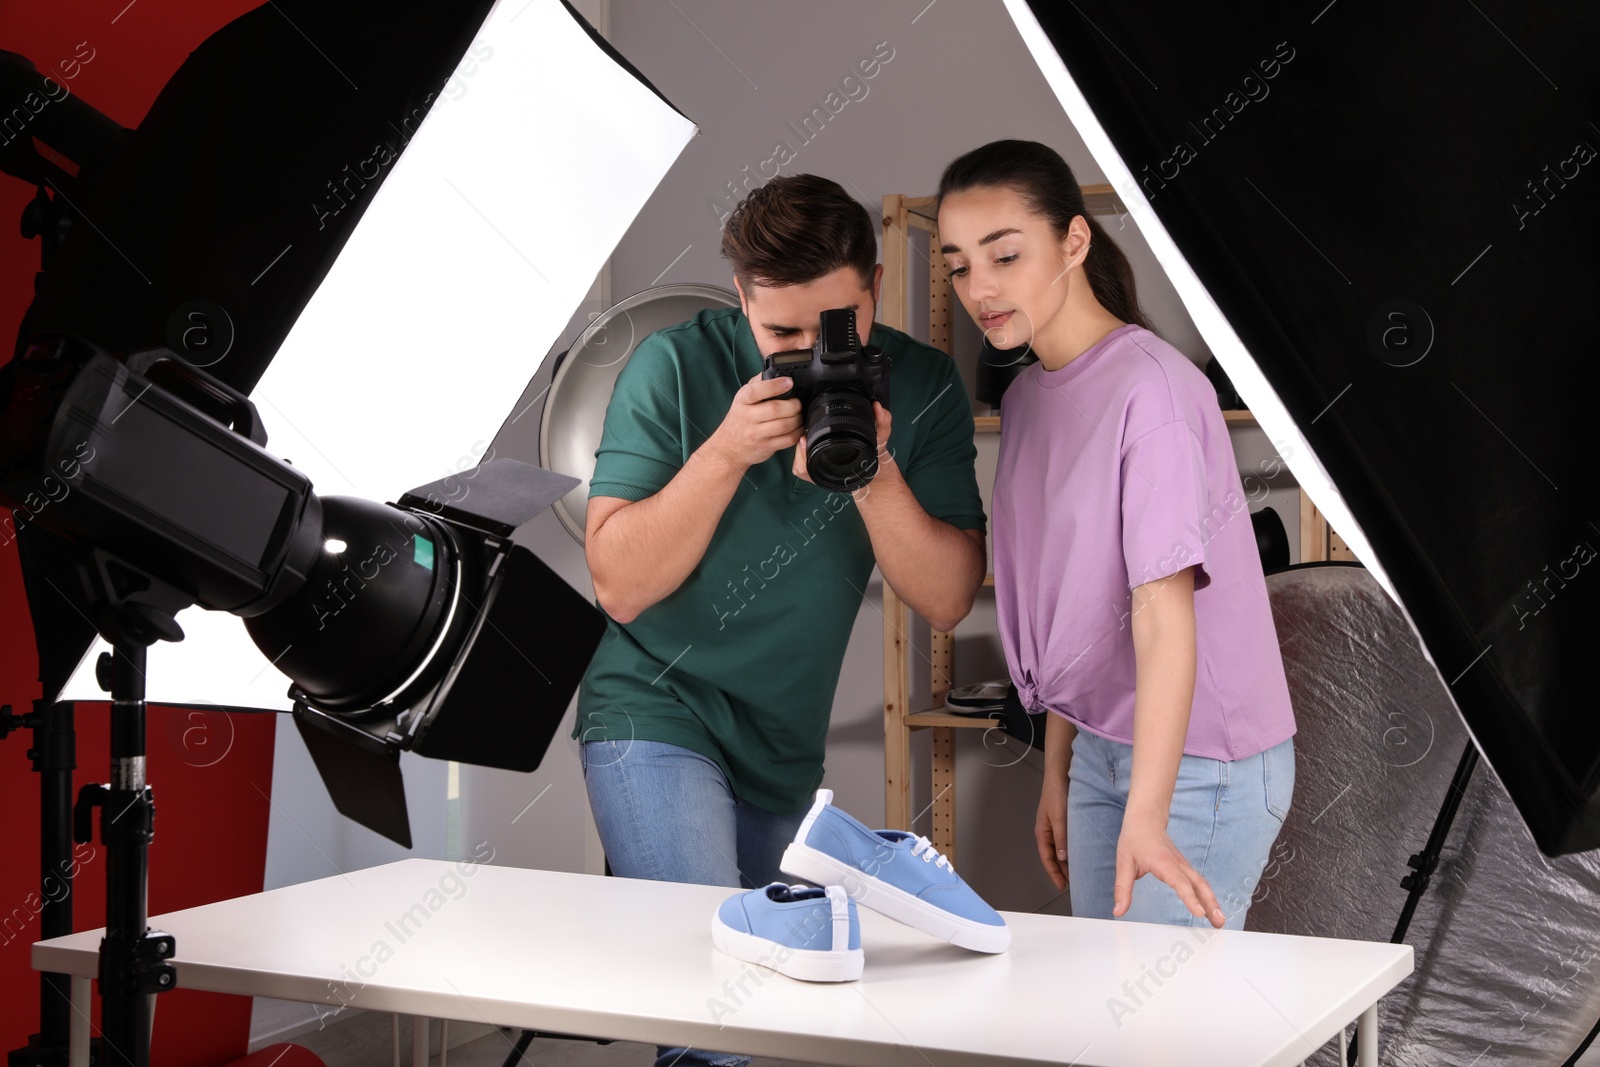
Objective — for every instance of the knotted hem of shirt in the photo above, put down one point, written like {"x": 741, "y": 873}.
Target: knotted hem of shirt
{"x": 1028, "y": 695}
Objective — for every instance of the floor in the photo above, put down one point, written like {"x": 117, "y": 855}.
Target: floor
{"x": 365, "y": 1039}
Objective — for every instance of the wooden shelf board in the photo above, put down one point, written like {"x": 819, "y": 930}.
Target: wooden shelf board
{"x": 919, "y": 720}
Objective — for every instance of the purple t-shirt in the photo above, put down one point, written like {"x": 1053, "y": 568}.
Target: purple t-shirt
{"x": 1114, "y": 471}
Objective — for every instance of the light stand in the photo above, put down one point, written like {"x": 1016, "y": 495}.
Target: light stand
{"x": 54, "y": 756}
{"x": 1422, "y": 863}
{"x": 133, "y": 958}
{"x": 88, "y": 137}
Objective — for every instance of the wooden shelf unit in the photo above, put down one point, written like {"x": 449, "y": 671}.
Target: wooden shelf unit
{"x": 901, "y": 214}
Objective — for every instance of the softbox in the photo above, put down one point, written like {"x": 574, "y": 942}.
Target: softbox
{"x": 375, "y": 224}
{"x": 1385, "y": 221}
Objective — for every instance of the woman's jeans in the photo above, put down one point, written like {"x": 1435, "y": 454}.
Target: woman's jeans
{"x": 1224, "y": 819}
{"x": 666, "y": 813}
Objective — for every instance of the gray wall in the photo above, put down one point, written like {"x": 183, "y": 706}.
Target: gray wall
{"x": 959, "y": 76}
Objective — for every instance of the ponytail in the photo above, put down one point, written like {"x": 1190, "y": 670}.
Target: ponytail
{"x": 1111, "y": 276}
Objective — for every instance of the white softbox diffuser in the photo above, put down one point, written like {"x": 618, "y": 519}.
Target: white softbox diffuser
{"x": 467, "y": 265}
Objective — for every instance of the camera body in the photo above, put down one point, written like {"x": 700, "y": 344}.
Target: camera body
{"x": 836, "y": 381}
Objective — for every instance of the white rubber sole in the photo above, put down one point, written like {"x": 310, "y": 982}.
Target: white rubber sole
{"x": 819, "y": 868}
{"x": 808, "y": 965}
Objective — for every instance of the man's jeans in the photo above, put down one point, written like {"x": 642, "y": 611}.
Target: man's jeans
{"x": 666, "y": 813}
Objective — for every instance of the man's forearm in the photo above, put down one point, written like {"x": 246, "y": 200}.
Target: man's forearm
{"x": 646, "y": 550}
{"x": 932, "y": 566}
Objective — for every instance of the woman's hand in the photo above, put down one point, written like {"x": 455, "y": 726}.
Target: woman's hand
{"x": 1050, "y": 827}
{"x": 1050, "y": 831}
{"x": 1145, "y": 848}
{"x": 1164, "y": 651}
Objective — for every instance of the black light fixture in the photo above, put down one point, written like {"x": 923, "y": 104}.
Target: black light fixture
{"x": 402, "y": 626}
{"x": 998, "y": 368}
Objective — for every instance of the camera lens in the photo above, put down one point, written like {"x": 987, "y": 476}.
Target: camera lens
{"x": 841, "y": 440}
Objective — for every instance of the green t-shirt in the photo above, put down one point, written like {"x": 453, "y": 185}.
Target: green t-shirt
{"x": 740, "y": 662}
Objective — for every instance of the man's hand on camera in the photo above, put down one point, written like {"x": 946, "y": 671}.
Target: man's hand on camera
{"x": 757, "y": 425}
{"x": 883, "y": 423}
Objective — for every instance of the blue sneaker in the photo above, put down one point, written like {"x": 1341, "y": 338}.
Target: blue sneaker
{"x": 895, "y": 873}
{"x": 810, "y": 934}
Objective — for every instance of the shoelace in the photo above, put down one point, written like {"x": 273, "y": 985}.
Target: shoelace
{"x": 924, "y": 848}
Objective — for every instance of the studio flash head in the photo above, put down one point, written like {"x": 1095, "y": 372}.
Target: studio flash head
{"x": 418, "y": 625}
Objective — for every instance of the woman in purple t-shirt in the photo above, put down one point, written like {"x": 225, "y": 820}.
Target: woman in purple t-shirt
{"x": 1128, "y": 586}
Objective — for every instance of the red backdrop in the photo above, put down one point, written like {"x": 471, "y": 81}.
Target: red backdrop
{"x": 211, "y": 774}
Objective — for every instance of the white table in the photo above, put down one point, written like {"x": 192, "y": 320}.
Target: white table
{"x": 632, "y": 960}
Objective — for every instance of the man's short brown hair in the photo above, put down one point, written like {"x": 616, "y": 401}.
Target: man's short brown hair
{"x": 796, "y": 229}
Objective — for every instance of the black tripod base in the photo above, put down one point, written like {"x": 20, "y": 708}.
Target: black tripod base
{"x": 526, "y": 1039}
{"x": 42, "y": 1055}
{"x": 1424, "y": 863}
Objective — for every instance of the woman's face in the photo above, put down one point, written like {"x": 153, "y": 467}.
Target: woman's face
{"x": 1006, "y": 265}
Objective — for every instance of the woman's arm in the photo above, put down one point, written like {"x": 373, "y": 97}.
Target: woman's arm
{"x": 1164, "y": 653}
{"x": 1050, "y": 826}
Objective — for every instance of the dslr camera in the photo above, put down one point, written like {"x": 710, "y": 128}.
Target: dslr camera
{"x": 836, "y": 381}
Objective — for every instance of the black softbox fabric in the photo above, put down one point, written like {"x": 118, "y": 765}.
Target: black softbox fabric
{"x": 1397, "y": 210}
{"x": 242, "y": 184}
{"x": 212, "y": 227}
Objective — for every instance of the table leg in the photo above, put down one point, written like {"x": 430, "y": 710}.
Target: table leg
{"x": 419, "y": 1042}
{"x": 394, "y": 1038}
{"x": 78, "y": 1035}
{"x": 1367, "y": 1038}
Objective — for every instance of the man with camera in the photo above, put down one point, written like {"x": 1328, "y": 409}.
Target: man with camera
{"x": 731, "y": 578}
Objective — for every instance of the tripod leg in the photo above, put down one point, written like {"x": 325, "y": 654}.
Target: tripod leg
{"x": 1425, "y": 861}
{"x": 132, "y": 956}
{"x": 54, "y": 757}
{"x": 519, "y": 1049}
{"x": 1423, "y": 864}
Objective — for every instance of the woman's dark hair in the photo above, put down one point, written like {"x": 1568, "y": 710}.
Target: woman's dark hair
{"x": 1047, "y": 185}
{"x": 795, "y": 229}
